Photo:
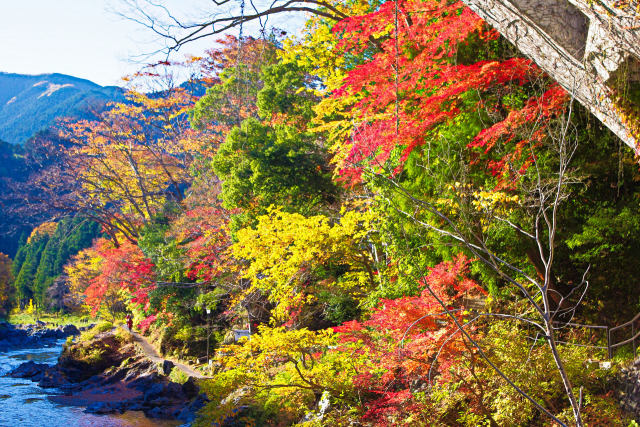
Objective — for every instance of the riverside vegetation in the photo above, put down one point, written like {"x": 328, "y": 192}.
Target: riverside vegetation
{"x": 405, "y": 215}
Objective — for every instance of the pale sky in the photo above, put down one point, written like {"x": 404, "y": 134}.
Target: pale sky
{"x": 84, "y": 38}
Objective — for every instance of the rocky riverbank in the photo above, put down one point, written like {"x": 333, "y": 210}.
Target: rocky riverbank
{"x": 30, "y": 336}
{"x": 108, "y": 373}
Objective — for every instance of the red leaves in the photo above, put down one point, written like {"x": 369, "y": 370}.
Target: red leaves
{"x": 204, "y": 228}
{"x": 537, "y": 109}
{"x": 146, "y": 323}
{"x": 424, "y": 82}
{"x": 121, "y": 268}
{"x": 403, "y": 336}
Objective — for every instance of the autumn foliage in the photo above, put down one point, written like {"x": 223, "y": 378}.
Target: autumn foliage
{"x": 419, "y": 77}
{"x": 411, "y": 339}
{"x": 119, "y": 274}
{"x": 343, "y": 198}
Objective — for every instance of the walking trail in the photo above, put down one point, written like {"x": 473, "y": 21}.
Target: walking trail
{"x": 152, "y": 354}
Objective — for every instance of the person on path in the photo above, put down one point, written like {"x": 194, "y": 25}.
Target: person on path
{"x": 129, "y": 322}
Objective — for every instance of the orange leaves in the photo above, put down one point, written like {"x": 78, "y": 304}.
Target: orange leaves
{"x": 233, "y": 71}
{"x": 134, "y": 158}
{"x": 46, "y": 228}
{"x": 206, "y": 233}
{"x": 254, "y": 53}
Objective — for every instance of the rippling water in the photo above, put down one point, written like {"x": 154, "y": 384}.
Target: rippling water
{"x": 24, "y": 404}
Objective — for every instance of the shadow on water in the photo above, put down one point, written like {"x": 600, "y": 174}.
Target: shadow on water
{"x": 44, "y": 357}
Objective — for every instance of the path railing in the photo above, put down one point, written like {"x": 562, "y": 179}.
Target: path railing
{"x": 630, "y": 332}
{"x": 610, "y": 338}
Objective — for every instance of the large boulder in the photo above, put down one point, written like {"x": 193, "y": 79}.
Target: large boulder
{"x": 105, "y": 407}
{"x": 52, "y": 378}
{"x": 45, "y": 375}
{"x": 32, "y": 335}
{"x": 30, "y": 370}
{"x": 155, "y": 391}
{"x": 144, "y": 382}
{"x": 85, "y": 359}
{"x": 190, "y": 388}
{"x": 188, "y": 413}
{"x": 159, "y": 412}
{"x": 68, "y": 330}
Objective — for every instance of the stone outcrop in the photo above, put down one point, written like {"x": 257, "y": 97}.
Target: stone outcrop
{"x": 29, "y": 336}
{"x": 109, "y": 374}
{"x": 583, "y": 44}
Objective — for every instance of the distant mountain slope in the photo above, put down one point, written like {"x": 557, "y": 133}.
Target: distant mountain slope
{"x": 29, "y": 104}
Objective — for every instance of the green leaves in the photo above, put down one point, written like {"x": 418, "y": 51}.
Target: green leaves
{"x": 261, "y": 165}
{"x": 287, "y": 90}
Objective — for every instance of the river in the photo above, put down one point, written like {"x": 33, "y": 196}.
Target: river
{"x": 25, "y": 404}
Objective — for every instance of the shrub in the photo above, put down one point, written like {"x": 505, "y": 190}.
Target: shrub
{"x": 98, "y": 329}
{"x": 178, "y": 376}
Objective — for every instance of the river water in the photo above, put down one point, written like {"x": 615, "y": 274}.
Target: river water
{"x": 24, "y": 404}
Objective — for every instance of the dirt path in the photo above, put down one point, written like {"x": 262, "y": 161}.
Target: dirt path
{"x": 152, "y": 354}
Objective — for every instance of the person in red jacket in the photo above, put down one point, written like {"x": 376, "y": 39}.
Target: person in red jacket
{"x": 129, "y": 322}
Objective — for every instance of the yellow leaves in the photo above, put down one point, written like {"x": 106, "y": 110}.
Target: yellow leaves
{"x": 30, "y": 309}
{"x": 355, "y": 224}
{"x": 316, "y": 52}
{"x": 492, "y": 204}
{"x": 44, "y": 229}
{"x": 334, "y": 116}
{"x": 285, "y": 250}
{"x": 287, "y": 365}
{"x": 292, "y": 343}
{"x": 130, "y": 158}
{"x": 280, "y": 249}
{"x": 449, "y": 205}
{"x": 485, "y": 205}
{"x": 83, "y": 267}
{"x": 494, "y": 201}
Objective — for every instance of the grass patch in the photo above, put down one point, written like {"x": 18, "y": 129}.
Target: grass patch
{"x": 99, "y": 328}
{"x": 124, "y": 336}
{"x": 54, "y": 319}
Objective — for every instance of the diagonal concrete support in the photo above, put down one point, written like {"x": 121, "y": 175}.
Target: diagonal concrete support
{"x": 579, "y": 43}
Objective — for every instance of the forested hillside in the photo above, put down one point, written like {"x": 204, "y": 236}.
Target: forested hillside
{"x": 31, "y": 106}
{"x": 22, "y": 204}
{"x": 42, "y": 256}
{"x": 407, "y": 218}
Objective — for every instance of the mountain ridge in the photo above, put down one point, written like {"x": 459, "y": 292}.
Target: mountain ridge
{"x": 33, "y": 103}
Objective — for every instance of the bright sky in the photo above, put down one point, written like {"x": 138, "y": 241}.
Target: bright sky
{"x": 83, "y": 38}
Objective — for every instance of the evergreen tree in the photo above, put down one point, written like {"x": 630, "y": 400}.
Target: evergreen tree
{"x": 41, "y": 258}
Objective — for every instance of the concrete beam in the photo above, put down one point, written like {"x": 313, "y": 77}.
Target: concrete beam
{"x": 579, "y": 43}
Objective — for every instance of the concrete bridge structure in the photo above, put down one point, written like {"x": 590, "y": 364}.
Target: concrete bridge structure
{"x": 585, "y": 45}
